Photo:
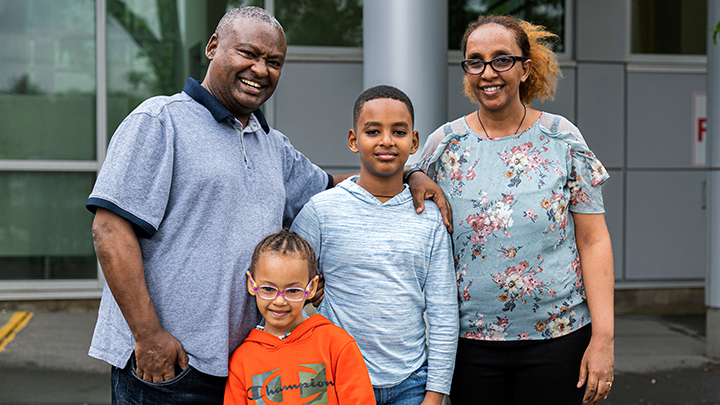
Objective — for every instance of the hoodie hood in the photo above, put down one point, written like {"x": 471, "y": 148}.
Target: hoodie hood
{"x": 302, "y": 333}
{"x": 361, "y": 194}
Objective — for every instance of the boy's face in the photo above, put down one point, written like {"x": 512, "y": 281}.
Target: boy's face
{"x": 281, "y": 271}
{"x": 384, "y": 137}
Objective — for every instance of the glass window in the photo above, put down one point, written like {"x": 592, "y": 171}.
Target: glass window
{"x": 548, "y": 13}
{"x": 47, "y": 79}
{"x": 44, "y": 226}
{"x": 669, "y": 27}
{"x": 321, "y": 22}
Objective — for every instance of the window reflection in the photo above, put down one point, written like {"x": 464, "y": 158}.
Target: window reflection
{"x": 44, "y": 226}
{"x": 47, "y": 79}
{"x": 669, "y": 27}
{"x": 548, "y": 13}
{"x": 321, "y": 22}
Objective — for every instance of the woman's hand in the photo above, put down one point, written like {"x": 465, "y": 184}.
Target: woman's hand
{"x": 597, "y": 369}
{"x": 423, "y": 188}
{"x": 596, "y": 259}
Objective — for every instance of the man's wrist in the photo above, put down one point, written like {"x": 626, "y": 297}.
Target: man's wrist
{"x": 409, "y": 173}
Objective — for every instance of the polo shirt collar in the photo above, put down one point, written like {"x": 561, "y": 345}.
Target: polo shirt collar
{"x": 198, "y": 93}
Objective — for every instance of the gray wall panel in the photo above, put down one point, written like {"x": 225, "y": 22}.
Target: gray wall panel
{"x": 313, "y": 106}
{"x": 601, "y": 112}
{"x": 601, "y": 30}
{"x": 613, "y": 198}
{"x": 564, "y": 102}
{"x": 666, "y": 226}
{"x": 659, "y": 119}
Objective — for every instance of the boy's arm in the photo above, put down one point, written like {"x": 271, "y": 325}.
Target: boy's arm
{"x": 352, "y": 381}
{"x": 442, "y": 313}
{"x": 235, "y": 391}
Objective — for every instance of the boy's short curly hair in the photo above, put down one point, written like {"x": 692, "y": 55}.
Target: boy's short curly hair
{"x": 286, "y": 242}
{"x": 381, "y": 91}
{"x": 533, "y": 41}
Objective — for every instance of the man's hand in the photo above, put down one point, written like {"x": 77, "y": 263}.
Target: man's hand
{"x": 423, "y": 188}
{"x": 155, "y": 357}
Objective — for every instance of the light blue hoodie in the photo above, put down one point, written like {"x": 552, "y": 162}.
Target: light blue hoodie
{"x": 384, "y": 267}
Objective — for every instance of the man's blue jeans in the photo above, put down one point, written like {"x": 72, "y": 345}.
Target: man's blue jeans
{"x": 188, "y": 387}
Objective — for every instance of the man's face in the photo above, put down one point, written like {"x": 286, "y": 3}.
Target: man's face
{"x": 245, "y": 65}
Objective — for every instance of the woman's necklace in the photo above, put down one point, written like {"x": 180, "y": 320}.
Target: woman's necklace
{"x": 516, "y": 131}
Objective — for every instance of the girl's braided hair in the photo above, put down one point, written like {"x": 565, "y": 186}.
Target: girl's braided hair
{"x": 286, "y": 242}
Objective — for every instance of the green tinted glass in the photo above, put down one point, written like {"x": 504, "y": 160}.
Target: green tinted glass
{"x": 44, "y": 226}
{"x": 47, "y": 79}
{"x": 321, "y": 22}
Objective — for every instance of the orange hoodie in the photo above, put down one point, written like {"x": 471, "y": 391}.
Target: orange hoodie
{"x": 319, "y": 363}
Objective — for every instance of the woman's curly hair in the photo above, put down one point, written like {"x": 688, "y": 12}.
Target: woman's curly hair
{"x": 533, "y": 41}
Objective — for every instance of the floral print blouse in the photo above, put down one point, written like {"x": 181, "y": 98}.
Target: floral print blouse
{"x": 518, "y": 268}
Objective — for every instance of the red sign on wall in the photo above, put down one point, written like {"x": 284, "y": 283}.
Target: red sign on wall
{"x": 699, "y": 129}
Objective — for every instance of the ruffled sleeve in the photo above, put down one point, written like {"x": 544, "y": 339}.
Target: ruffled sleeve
{"x": 436, "y": 144}
{"x": 585, "y": 172}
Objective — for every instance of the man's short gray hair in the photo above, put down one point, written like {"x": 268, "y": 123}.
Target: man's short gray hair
{"x": 255, "y": 13}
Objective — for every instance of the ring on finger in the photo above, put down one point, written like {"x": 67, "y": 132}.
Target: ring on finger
{"x": 609, "y": 384}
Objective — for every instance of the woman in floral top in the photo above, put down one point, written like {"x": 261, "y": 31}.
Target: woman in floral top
{"x": 532, "y": 250}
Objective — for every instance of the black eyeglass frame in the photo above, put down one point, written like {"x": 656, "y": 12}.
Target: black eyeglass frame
{"x": 513, "y": 57}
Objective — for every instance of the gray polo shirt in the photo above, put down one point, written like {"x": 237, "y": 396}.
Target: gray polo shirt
{"x": 201, "y": 193}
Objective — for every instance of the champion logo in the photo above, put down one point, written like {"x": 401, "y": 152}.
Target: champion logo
{"x": 268, "y": 388}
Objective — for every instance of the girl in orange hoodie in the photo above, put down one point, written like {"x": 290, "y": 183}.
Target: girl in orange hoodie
{"x": 293, "y": 359}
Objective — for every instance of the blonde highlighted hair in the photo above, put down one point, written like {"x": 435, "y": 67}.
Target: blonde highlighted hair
{"x": 534, "y": 42}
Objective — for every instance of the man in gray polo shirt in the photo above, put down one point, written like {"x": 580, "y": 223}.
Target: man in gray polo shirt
{"x": 190, "y": 184}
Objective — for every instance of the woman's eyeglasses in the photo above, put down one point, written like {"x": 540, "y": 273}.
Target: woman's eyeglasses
{"x": 499, "y": 64}
{"x": 268, "y": 292}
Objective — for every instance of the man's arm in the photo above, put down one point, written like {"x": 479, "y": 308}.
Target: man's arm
{"x": 118, "y": 251}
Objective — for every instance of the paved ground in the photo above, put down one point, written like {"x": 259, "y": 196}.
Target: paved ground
{"x": 659, "y": 360}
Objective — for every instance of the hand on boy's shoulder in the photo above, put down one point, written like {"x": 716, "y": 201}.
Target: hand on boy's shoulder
{"x": 423, "y": 188}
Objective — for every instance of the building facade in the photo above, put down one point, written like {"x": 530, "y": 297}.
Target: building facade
{"x": 634, "y": 82}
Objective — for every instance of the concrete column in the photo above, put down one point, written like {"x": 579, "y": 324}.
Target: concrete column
{"x": 405, "y": 45}
{"x": 712, "y": 286}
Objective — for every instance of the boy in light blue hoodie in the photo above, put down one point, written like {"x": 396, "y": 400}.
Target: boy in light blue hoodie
{"x": 384, "y": 265}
